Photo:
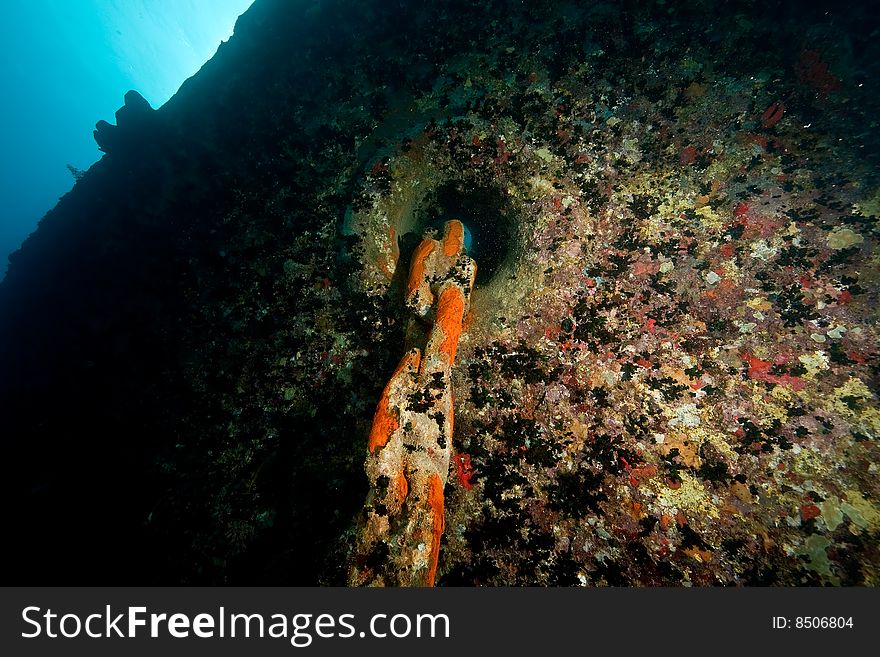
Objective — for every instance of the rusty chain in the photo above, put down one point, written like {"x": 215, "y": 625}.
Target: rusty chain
{"x": 410, "y": 442}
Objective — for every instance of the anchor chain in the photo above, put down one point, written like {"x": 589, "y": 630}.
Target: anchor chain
{"x": 410, "y": 442}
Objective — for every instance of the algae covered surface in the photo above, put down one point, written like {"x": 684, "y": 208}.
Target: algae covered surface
{"x": 669, "y": 372}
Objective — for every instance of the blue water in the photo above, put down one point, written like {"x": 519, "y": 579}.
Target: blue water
{"x": 68, "y": 63}
{"x": 468, "y": 238}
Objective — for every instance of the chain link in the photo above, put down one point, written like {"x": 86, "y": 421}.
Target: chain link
{"x": 410, "y": 442}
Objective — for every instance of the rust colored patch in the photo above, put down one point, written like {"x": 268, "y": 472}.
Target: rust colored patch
{"x": 773, "y": 114}
{"x": 810, "y": 511}
{"x": 643, "y": 473}
{"x": 757, "y": 367}
{"x": 635, "y": 510}
{"x": 386, "y": 420}
{"x": 417, "y": 267}
{"x": 384, "y": 264}
{"x": 402, "y": 487}
{"x": 642, "y": 268}
{"x": 450, "y": 312}
{"x": 454, "y": 239}
{"x": 464, "y": 470}
{"x": 688, "y": 155}
{"x": 385, "y": 423}
{"x": 435, "y": 501}
{"x": 688, "y": 449}
{"x": 703, "y": 556}
{"x": 760, "y": 371}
